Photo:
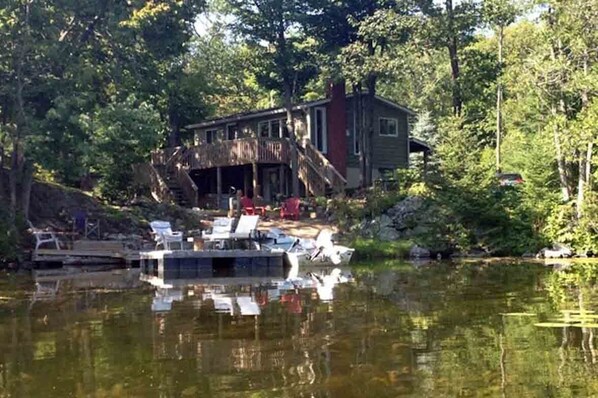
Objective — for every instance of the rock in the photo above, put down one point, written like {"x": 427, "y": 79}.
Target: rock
{"x": 557, "y": 251}
{"x": 528, "y": 255}
{"x": 419, "y": 252}
{"x": 388, "y": 234}
{"x": 385, "y": 221}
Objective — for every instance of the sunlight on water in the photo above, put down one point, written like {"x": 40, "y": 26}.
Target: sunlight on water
{"x": 432, "y": 330}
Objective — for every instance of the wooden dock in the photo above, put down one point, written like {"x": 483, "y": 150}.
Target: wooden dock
{"x": 89, "y": 252}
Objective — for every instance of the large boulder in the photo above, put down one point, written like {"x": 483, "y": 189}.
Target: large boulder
{"x": 388, "y": 234}
{"x": 419, "y": 252}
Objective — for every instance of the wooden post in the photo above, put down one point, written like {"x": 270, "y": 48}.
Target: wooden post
{"x": 281, "y": 181}
{"x": 246, "y": 179}
{"x": 255, "y": 179}
{"x": 218, "y": 186}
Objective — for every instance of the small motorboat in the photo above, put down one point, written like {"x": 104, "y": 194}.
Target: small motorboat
{"x": 302, "y": 252}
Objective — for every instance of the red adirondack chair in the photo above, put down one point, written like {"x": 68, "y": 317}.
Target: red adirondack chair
{"x": 247, "y": 205}
{"x": 290, "y": 209}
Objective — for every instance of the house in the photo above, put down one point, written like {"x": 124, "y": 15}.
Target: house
{"x": 251, "y": 150}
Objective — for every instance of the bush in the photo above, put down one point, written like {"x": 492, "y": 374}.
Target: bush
{"x": 375, "y": 249}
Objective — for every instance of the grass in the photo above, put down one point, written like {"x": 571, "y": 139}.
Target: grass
{"x": 375, "y": 249}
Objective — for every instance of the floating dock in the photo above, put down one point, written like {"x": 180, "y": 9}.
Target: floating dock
{"x": 211, "y": 264}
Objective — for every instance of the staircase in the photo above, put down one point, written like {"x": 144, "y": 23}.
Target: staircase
{"x": 182, "y": 189}
{"x": 172, "y": 182}
{"x": 316, "y": 172}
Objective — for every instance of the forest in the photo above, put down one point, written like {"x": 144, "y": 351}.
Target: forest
{"x": 89, "y": 88}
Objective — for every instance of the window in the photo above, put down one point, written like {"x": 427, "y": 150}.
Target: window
{"x": 232, "y": 132}
{"x": 211, "y": 136}
{"x": 389, "y": 127}
{"x": 275, "y": 128}
{"x": 320, "y": 133}
{"x": 263, "y": 129}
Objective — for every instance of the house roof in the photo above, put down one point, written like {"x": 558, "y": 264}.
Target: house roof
{"x": 417, "y": 145}
{"x": 277, "y": 110}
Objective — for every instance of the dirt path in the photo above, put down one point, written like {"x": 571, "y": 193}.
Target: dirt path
{"x": 305, "y": 228}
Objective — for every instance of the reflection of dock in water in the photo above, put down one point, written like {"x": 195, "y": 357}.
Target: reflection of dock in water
{"x": 49, "y": 283}
{"x": 206, "y": 264}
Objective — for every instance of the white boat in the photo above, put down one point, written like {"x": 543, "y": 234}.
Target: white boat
{"x": 304, "y": 252}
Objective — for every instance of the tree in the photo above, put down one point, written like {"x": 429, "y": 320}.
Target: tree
{"x": 499, "y": 14}
{"x": 452, "y": 27}
{"x": 122, "y": 134}
{"x": 271, "y": 27}
{"x": 64, "y": 59}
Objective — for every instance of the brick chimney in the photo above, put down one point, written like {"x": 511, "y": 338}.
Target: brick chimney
{"x": 337, "y": 126}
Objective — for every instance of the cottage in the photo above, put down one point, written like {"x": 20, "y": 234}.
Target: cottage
{"x": 252, "y": 151}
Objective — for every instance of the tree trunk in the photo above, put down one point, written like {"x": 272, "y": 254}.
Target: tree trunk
{"x": 580, "y": 183}
{"x": 288, "y": 105}
{"x": 585, "y": 159}
{"x": 452, "y": 45}
{"x": 25, "y": 189}
{"x": 359, "y": 131}
{"x": 563, "y": 180}
{"x": 499, "y": 100}
{"x": 369, "y": 128}
{"x": 1, "y": 175}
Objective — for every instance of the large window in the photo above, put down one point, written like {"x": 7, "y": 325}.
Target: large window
{"x": 389, "y": 127}
{"x": 232, "y": 132}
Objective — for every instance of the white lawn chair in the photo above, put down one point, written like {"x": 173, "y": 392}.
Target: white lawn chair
{"x": 246, "y": 226}
{"x": 221, "y": 229}
{"x": 165, "y": 236}
{"x": 42, "y": 237}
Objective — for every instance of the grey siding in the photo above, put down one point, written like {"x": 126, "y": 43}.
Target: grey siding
{"x": 249, "y": 127}
{"x": 388, "y": 152}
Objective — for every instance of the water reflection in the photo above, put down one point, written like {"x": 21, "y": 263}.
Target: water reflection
{"x": 427, "y": 330}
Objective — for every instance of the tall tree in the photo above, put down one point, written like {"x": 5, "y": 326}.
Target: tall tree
{"x": 272, "y": 28}
{"x": 451, "y": 26}
{"x": 499, "y": 14}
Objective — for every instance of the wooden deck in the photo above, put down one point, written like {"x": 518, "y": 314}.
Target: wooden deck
{"x": 237, "y": 152}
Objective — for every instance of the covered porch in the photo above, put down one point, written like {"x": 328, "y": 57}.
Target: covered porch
{"x": 263, "y": 182}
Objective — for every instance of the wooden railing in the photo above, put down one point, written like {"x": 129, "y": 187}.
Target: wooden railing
{"x": 164, "y": 156}
{"x": 325, "y": 168}
{"x": 237, "y": 152}
{"x": 147, "y": 175}
{"x": 315, "y": 183}
{"x": 188, "y": 187}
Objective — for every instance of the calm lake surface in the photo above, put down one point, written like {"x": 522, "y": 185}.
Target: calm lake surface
{"x": 436, "y": 330}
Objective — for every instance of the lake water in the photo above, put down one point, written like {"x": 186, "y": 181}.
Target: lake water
{"x": 436, "y": 330}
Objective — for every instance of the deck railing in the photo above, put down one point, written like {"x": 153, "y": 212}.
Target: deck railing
{"x": 237, "y": 152}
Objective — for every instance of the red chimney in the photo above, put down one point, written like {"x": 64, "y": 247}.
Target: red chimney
{"x": 337, "y": 126}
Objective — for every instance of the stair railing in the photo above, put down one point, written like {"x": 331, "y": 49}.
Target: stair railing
{"x": 325, "y": 168}
{"x": 188, "y": 186}
{"x": 152, "y": 178}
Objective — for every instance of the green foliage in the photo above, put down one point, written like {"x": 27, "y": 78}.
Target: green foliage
{"x": 375, "y": 249}
{"x": 123, "y": 134}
